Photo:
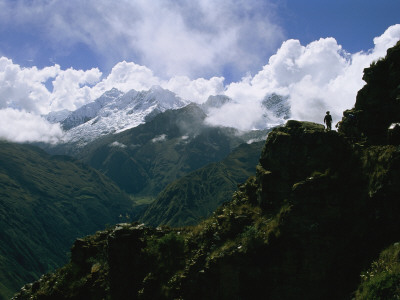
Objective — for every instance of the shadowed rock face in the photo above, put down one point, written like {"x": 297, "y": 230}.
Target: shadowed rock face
{"x": 297, "y": 152}
{"x": 321, "y": 206}
{"x": 378, "y": 102}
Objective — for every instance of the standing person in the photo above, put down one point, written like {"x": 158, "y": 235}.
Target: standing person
{"x": 328, "y": 121}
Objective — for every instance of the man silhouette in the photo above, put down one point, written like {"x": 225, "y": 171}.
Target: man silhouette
{"x": 328, "y": 121}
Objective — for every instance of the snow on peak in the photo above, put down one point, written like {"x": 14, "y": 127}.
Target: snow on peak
{"x": 91, "y": 110}
{"x": 57, "y": 116}
{"x": 116, "y": 111}
{"x": 278, "y": 105}
{"x": 215, "y": 102}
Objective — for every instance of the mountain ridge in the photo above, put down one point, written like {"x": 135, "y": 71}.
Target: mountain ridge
{"x": 45, "y": 203}
{"x": 318, "y": 211}
{"x": 196, "y": 195}
{"x": 116, "y": 111}
{"x": 169, "y": 146}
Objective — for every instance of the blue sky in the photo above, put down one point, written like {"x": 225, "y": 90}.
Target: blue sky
{"x": 353, "y": 23}
{"x": 58, "y": 55}
{"x": 41, "y": 33}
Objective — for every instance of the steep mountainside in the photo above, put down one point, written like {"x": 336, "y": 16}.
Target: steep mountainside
{"x": 195, "y": 196}
{"x": 45, "y": 203}
{"x": 145, "y": 159}
{"x": 320, "y": 209}
{"x": 114, "y": 111}
{"x": 377, "y": 104}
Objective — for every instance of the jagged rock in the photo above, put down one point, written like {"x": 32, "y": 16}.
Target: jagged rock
{"x": 378, "y": 102}
{"x": 293, "y": 153}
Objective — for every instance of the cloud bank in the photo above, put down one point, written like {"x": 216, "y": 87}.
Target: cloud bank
{"x": 173, "y": 37}
{"x": 20, "y": 126}
{"x": 316, "y": 77}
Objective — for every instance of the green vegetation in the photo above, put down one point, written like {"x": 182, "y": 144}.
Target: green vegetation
{"x": 52, "y": 200}
{"x": 382, "y": 280}
{"x": 164, "y": 149}
{"x": 195, "y": 196}
{"x": 45, "y": 204}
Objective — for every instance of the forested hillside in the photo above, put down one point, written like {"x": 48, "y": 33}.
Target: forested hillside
{"x": 46, "y": 202}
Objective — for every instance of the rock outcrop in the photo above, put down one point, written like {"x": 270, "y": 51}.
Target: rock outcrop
{"x": 377, "y": 105}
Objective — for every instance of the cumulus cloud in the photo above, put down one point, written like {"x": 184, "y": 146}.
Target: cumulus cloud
{"x": 126, "y": 76}
{"x": 317, "y": 77}
{"x": 21, "y": 126}
{"x": 25, "y": 88}
{"x": 24, "y": 97}
{"x": 197, "y": 90}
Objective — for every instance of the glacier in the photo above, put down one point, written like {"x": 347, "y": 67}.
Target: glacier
{"x": 114, "y": 112}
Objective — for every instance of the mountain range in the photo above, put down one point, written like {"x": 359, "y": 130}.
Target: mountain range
{"x": 46, "y": 202}
{"x": 162, "y": 140}
{"x": 193, "y": 197}
{"x": 115, "y": 112}
{"x": 317, "y": 220}
{"x": 144, "y": 159}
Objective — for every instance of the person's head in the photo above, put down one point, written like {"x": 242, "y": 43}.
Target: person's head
{"x": 327, "y": 112}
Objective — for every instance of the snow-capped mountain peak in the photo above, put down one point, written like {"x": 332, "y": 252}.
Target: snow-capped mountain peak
{"x": 116, "y": 111}
{"x": 278, "y": 105}
{"x": 57, "y": 116}
{"x": 215, "y": 102}
{"x": 91, "y": 110}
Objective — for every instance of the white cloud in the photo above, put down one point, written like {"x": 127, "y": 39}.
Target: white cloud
{"x": 318, "y": 77}
{"x": 21, "y": 126}
{"x": 126, "y": 76}
{"x": 25, "y": 88}
{"x": 197, "y": 90}
{"x": 185, "y": 38}
{"x": 241, "y": 115}
{"x": 72, "y": 88}
{"x": 117, "y": 144}
{"x": 386, "y": 40}
{"x": 160, "y": 138}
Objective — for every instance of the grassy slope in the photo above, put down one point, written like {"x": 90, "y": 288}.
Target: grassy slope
{"x": 144, "y": 167}
{"x": 45, "y": 203}
{"x": 382, "y": 279}
{"x": 196, "y": 195}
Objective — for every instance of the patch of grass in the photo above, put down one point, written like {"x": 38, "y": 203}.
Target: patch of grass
{"x": 382, "y": 279}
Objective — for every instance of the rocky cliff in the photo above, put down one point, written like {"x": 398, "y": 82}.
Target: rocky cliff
{"x": 320, "y": 208}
